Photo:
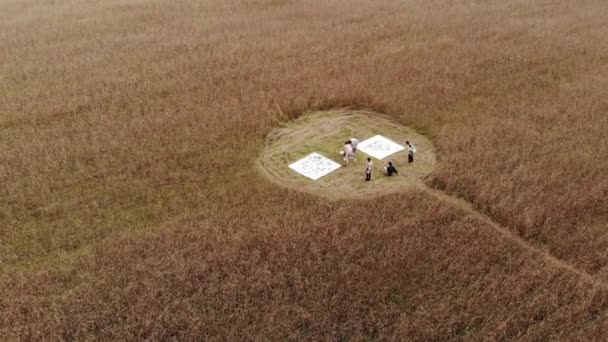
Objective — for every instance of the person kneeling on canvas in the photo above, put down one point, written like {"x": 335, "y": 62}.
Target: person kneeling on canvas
{"x": 369, "y": 167}
{"x": 390, "y": 169}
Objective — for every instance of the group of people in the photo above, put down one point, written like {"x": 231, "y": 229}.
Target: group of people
{"x": 350, "y": 153}
{"x": 389, "y": 169}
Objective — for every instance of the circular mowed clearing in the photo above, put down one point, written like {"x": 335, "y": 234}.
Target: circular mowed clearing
{"x": 324, "y": 132}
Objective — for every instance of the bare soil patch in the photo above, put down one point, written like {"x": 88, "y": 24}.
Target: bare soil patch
{"x": 325, "y": 132}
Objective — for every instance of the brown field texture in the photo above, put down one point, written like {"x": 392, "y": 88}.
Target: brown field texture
{"x": 132, "y": 207}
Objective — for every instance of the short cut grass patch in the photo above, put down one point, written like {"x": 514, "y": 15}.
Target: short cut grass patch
{"x": 325, "y": 132}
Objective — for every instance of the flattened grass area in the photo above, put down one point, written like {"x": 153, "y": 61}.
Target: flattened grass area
{"x": 324, "y": 132}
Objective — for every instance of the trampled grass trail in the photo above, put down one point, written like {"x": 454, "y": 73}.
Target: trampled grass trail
{"x": 509, "y": 235}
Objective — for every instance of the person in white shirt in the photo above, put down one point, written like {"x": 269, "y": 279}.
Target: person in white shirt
{"x": 348, "y": 152}
{"x": 354, "y": 142}
{"x": 369, "y": 168}
{"x": 410, "y": 152}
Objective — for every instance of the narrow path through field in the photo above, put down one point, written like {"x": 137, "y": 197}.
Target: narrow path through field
{"x": 507, "y": 234}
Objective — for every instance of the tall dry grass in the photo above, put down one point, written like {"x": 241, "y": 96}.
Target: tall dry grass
{"x": 130, "y": 206}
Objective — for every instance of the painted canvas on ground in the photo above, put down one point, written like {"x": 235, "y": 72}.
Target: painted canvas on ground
{"x": 379, "y": 147}
{"x": 314, "y": 166}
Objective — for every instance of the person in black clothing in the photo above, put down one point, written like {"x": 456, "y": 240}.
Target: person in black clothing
{"x": 390, "y": 169}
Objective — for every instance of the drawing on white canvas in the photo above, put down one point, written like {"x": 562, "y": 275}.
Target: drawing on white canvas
{"x": 379, "y": 147}
{"x": 314, "y": 166}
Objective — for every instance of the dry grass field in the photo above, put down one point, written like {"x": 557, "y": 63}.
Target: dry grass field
{"x": 131, "y": 206}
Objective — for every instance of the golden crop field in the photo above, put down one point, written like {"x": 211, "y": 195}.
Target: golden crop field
{"x": 132, "y": 205}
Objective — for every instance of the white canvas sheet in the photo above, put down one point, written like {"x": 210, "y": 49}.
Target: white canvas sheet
{"x": 314, "y": 166}
{"x": 379, "y": 147}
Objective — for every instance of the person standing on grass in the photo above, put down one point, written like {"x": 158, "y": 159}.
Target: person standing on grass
{"x": 369, "y": 167}
{"x": 348, "y": 151}
{"x": 410, "y": 152}
{"x": 354, "y": 142}
{"x": 390, "y": 169}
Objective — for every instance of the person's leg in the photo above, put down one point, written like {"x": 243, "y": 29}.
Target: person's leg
{"x": 410, "y": 158}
